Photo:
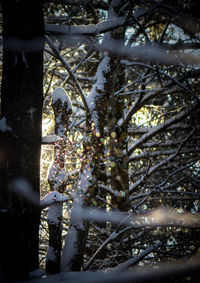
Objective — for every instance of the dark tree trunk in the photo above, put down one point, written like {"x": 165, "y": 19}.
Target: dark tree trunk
{"x": 21, "y": 109}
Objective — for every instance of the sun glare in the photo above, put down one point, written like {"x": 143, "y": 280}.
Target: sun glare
{"x": 47, "y": 125}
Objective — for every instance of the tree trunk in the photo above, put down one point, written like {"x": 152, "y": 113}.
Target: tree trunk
{"x": 57, "y": 179}
{"x": 21, "y": 109}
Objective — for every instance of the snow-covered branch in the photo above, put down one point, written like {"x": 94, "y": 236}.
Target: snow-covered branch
{"x": 52, "y": 198}
{"x": 147, "y": 53}
{"x": 81, "y": 30}
{"x": 51, "y": 139}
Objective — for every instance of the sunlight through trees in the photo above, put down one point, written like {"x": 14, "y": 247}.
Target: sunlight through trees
{"x": 119, "y": 173}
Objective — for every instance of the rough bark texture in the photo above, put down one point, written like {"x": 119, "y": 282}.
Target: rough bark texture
{"x": 21, "y": 106}
{"x": 58, "y": 182}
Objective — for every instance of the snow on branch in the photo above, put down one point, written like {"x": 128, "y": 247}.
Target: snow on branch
{"x": 60, "y": 94}
{"x": 51, "y": 139}
{"x": 99, "y": 88}
{"x": 91, "y": 29}
{"x": 147, "y": 53}
{"x": 150, "y": 274}
{"x": 103, "y": 68}
{"x": 71, "y": 73}
{"x": 52, "y": 198}
{"x": 23, "y": 188}
{"x": 163, "y": 217}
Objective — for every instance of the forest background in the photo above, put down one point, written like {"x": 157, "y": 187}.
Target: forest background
{"x": 109, "y": 92}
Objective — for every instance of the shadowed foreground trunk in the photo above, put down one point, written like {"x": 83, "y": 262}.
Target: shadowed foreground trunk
{"x": 20, "y": 136}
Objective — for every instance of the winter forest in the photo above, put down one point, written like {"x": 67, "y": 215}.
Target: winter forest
{"x": 100, "y": 141}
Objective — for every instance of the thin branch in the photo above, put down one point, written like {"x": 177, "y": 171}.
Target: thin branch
{"x": 160, "y": 153}
{"x": 161, "y": 163}
{"x": 154, "y": 131}
{"x": 168, "y": 76}
{"x": 127, "y": 264}
{"x": 71, "y": 74}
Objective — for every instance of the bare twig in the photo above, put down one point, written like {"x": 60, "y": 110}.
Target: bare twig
{"x": 67, "y": 67}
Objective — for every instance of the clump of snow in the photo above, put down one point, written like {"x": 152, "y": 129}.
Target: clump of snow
{"x": 4, "y": 126}
{"x": 55, "y": 213}
{"x": 61, "y": 129}
{"x": 60, "y": 94}
{"x": 51, "y": 198}
{"x": 103, "y": 68}
{"x": 51, "y": 139}
{"x": 69, "y": 249}
{"x": 86, "y": 178}
{"x": 57, "y": 176}
{"x": 126, "y": 62}
{"x": 76, "y": 212}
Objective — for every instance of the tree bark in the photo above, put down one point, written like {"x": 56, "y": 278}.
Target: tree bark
{"x": 21, "y": 108}
{"x": 57, "y": 179}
